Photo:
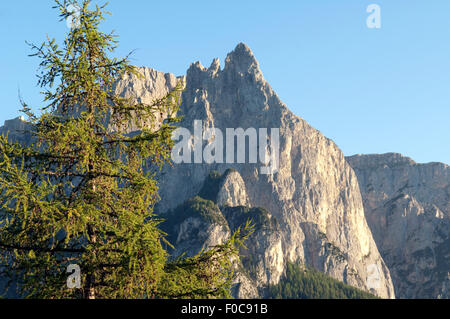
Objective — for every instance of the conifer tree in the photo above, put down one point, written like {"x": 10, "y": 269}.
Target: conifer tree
{"x": 82, "y": 191}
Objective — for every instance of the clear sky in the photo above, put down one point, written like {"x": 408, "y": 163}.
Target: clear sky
{"x": 370, "y": 90}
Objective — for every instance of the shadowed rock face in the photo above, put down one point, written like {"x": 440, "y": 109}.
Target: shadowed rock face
{"x": 407, "y": 206}
{"x": 314, "y": 196}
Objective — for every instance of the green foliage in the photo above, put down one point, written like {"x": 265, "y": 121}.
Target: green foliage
{"x": 259, "y": 216}
{"x": 83, "y": 193}
{"x": 308, "y": 283}
{"x": 196, "y": 207}
{"x": 262, "y": 223}
{"x": 182, "y": 279}
{"x": 207, "y": 209}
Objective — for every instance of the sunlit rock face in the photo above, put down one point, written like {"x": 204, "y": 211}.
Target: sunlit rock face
{"x": 232, "y": 191}
{"x": 407, "y": 206}
{"x": 314, "y": 195}
{"x": 310, "y": 207}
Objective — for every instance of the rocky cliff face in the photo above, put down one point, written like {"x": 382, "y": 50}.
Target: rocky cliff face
{"x": 17, "y": 130}
{"x": 146, "y": 89}
{"x": 314, "y": 195}
{"x": 210, "y": 219}
{"x": 407, "y": 206}
{"x": 309, "y": 210}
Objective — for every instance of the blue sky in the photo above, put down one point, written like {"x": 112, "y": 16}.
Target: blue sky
{"x": 370, "y": 90}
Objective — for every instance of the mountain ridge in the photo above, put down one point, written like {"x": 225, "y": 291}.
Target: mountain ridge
{"x": 314, "y": 192}
{"x": 407, "y": 206}
{"x": 314, "y": 196}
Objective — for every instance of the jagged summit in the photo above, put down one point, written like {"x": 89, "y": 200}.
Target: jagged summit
{"x": 313, "y": 195}
{"x": 242, "y": 49}
{"x": 240, "y": 62}
{"x": 215, "y": 66}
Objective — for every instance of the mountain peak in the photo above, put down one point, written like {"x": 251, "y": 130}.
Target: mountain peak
{"x": 242, "y": 60}
{"x": 242, "y": 48}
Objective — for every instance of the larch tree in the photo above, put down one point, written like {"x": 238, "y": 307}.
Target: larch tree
{"x": 82, "y": 192}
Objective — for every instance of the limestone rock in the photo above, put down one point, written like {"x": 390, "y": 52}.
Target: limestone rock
{"x": 407, "y": 206}
{"x": 17, "y": 130}
{"x": 232, "y": 191}
{"x": 445, "y": 291}
{"x": 314, "y": 195}
{"x": 146, "y": 89}
{"x": 200, "y": 224}
{"x": 263, "y": 258}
